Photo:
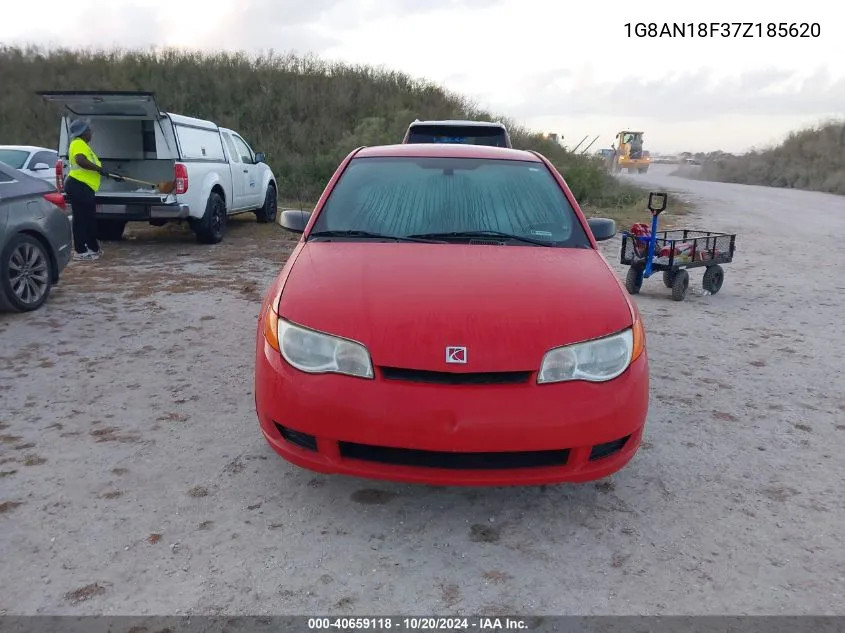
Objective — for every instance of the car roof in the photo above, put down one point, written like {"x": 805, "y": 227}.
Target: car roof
{"x": 447, "y": 122}
{"x": 27, "y": 148}
{"x": 447, "y": 150}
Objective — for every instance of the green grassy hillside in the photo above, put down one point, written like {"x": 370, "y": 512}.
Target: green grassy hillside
{"x": 303, "y": 113}
{"x": 812, "y": 159}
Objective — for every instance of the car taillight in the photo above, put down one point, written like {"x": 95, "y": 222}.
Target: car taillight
{"x": 181, "y": 175}
{"x": 57, "y": 199}
{"x": 60, "y": 174}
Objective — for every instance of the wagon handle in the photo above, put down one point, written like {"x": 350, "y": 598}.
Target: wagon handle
{"x": 657, "y": 203}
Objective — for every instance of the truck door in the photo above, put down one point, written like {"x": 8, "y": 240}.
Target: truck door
{"x": 250, "y": 173}
{"x": 239, "y": 194}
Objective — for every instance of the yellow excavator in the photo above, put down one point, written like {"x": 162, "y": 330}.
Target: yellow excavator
{"x": 628, "y": 153}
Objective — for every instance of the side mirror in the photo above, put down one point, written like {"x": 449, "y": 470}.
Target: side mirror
{"x": 656, "y": 203}
{"x": 40, "y": 167}
{"x": 260, "y": 158}
{"x": 602, "y": 228}
{"x": 294, "y": 220}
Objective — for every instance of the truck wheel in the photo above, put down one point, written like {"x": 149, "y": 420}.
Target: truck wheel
{"x": 713, "y": 278}
{"x": 267, "y": 213}
{"x": 26, "y": 274}
{"x": 110, "y": 230}
{"x": 643, "y": 170}
{"x": 634, "y": 280}
{"x": 680, "y": 285}
{"x": 211, "y": 227}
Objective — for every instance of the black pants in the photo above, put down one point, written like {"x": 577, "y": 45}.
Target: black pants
{"x": 84, "y": 208}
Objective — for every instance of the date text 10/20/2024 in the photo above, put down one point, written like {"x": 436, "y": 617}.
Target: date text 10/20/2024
{"x": 479, "y": 624}
{"x": 724, "y": 29}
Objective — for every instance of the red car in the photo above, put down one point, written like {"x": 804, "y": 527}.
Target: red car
{"x": 447, "y": 318}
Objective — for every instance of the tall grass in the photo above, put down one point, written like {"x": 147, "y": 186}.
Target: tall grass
{"x": 813, "y": 158}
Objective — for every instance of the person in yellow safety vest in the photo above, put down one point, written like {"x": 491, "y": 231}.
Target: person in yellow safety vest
{"x": 81, "y": 186}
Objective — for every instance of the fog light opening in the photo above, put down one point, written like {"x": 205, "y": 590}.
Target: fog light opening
{"x": 600, "y": 451}
{"x": 297, "y": 438}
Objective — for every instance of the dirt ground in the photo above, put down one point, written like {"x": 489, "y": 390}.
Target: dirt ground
{"x": 134, "y": 479}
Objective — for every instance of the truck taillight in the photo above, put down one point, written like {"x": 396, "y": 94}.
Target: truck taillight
{"x": 181, "y": 175}
{"x": 60, "y": 174}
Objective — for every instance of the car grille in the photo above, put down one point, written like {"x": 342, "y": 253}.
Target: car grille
{"x": 452, "y": 460}
{"x": 456, "y": 378}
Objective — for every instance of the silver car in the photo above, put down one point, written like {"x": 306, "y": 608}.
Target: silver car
{"x": 35, "y": 239}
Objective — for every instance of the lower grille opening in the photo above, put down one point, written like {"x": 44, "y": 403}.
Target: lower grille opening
{"x": 303, "y": 440}
{"x": 607, "y": 449}
{"x": 451, "y": 460}
{"x": 456, "y": 378}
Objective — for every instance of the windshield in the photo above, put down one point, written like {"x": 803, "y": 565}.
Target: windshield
{"x": 408, "y": 196}
{"x": 14, "y": 158}
{"x": 463, "y": 134}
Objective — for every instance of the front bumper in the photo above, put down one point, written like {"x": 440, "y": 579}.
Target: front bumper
{"x": 395, "y": 430}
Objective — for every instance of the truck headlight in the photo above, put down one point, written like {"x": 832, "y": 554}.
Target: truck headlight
{"x": 319, "y": 353}
{"x": 598, "y": 360}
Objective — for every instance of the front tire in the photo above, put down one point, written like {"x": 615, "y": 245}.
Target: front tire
{"x": 26, "y": 274}
{"x": 267, "y": 213}
{"x": 714, "y": 276}
{"x": 634, "y": 280}
{"x": 212, "y": 226}
{"x": 680, "y": 285}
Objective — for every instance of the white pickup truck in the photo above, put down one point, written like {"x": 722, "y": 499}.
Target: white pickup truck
{"x": 216, "y": 172}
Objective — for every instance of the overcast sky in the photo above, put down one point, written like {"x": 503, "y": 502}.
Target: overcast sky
{"x": 537, "y": 61}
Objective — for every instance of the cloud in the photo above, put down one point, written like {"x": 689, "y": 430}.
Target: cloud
{"x": 689, "y": 96}
{"x": 254, "y": 19}
{"x": 125, "y": 26}
{"x": 303, "y": 26}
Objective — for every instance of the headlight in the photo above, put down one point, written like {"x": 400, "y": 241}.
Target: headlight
{"x": 318, "y": 353}
{"x": 598, "y": 360}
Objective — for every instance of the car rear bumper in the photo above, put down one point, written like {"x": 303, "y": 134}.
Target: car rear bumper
{"x": 64, "y": 253}
{"x": 520, "y": 434}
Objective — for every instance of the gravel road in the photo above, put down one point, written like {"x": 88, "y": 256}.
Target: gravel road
{"x": 134, "y": 479}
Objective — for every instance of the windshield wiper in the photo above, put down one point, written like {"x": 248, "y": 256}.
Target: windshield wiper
{"x": 482, "y": 234}
{"x": 374, "y": 236}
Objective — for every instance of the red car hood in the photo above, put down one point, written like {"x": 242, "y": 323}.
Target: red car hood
{"x": 507, "y": 305}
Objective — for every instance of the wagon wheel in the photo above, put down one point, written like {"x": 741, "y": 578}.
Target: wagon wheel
{"x": 713, "y": 278}
{"x": 680, "y": 285}
{"x": 668, "y": 278}
{"x": 634, "y": 280}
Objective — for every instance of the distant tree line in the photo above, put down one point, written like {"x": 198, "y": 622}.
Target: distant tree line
{"x": 302, "y": 112}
